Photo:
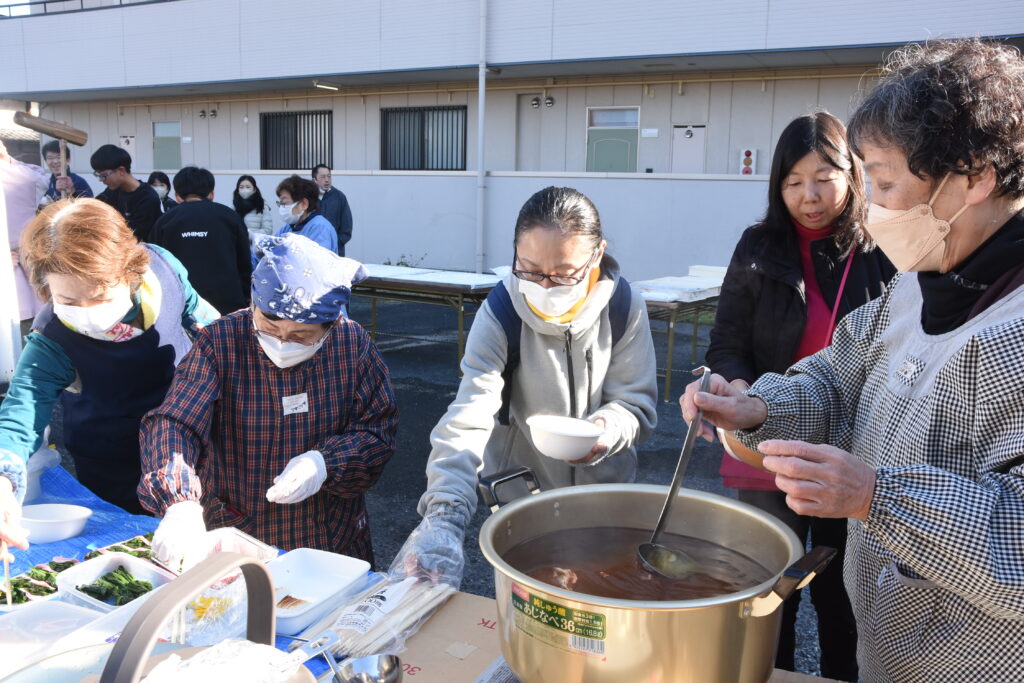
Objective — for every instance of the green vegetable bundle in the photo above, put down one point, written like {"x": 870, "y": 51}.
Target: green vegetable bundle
{"x": 117, "y": 588}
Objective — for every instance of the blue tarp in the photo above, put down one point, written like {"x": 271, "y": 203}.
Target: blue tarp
{"x": 108, "y": 524}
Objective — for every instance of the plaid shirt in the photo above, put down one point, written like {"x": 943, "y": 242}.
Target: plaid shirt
{"x": 221, "y": 436}
{"x": 936, "y": 572}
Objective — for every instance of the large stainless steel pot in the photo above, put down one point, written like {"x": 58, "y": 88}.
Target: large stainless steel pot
{"x": 551, "y": 634}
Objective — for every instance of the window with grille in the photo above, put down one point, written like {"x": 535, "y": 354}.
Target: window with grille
{"x": 296, "y": 140}
{"x": 423, "y": 139}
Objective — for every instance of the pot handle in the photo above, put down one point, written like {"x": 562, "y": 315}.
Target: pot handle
{"x": 136, "y": 642}
{"x": 796, "y": 576}
{"x": 488, "y": 485}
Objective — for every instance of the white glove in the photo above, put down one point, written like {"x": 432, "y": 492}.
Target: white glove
{"x": 302, "y": 477}
{"x": 180, "y": 540}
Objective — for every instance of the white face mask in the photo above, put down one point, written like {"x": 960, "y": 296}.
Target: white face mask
{"x": 245, "y": 192}
{"x": 286, "y": 214}
{"x": 96, "y": 321}
{"x": 161, "y": 190}
{"x": 286, "y": 354}
{"x": 914, "y": 240}
{"x": 557, "y": 300}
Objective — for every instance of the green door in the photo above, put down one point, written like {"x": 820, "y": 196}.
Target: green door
{"x": 611, "y": 151}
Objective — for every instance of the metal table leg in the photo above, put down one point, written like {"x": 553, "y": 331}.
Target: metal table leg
{"x": 671, "y": 331}
{"x": 373, "y": 318}
{"x": 696, "y": 331}
{"x": 462, "y": 326}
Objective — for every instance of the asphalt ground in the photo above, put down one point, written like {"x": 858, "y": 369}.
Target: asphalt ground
{"x": 418, "y": 342}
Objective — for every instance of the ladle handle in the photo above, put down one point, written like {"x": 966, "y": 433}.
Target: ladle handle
{"x": 684, "y": 457}
{"x": 488, "y": 485}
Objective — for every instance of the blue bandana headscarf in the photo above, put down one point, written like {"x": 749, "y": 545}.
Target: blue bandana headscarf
{"x": 299, "y": 280}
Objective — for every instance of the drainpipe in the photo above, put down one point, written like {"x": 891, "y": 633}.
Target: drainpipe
{"x": 10, "y": 329}
{"x": 481, "y": 174}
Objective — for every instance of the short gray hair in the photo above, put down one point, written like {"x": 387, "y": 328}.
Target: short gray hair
{"x": 950, "y": 106}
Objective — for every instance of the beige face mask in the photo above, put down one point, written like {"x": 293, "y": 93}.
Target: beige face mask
{"x": 914, "y": 240}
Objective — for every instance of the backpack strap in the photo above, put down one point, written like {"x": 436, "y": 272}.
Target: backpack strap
{"x": 501, "y": 306}
{"x": 618, "y": 309}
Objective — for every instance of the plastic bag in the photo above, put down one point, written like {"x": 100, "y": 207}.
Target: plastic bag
{"x": 42, "y": 460}
{"x": 382, "y": 618}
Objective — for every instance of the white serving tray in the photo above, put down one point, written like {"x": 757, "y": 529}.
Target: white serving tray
{"x": 316, "y": 576}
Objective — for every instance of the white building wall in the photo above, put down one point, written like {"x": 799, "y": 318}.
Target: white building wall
{"x": 193, "y": 41}
{"x": 738, "y": 115}
{"x": 655, "y": 225}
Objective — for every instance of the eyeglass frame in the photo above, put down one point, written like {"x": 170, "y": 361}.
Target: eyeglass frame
{"x": 103, "y": 175}
{"x": 557, "y": 280}
{"x": 316, "y": 341}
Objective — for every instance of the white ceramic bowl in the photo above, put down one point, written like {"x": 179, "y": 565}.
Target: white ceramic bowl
{"x": 53, "y": 521}
{"x": 563, "y": 438}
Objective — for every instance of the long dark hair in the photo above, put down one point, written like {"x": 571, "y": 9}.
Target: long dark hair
{"x": 253, "y": 203}
{"x": 823, "y": 133}
{"x": 563, "y": 209}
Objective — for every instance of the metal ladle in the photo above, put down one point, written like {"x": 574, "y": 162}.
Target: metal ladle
{"x": 657, "y": 558}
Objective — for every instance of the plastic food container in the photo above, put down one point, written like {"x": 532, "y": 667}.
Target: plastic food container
{"x": 54, "y": 521}
{"x": 26, "y": 634}
{"x": 90, "y": 570}
{"x": 563, "y": 438}
{"x": 231, "y": 540}
{"x": 316, "y": 578}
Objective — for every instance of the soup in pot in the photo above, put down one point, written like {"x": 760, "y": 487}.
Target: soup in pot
{"x": 602, "y": 561}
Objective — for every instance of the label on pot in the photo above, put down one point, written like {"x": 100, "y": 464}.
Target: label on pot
{"x": 566, "y": 628}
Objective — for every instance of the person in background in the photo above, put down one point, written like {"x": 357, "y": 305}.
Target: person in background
{"x": 118, "y": 316}
{"x": 159, "y": 181}
{"x": 23, "y": 186}
{"x": 75, "y": 184}
{"x": 253, "y": 209}
{"x": 209, "y": 239}
{"x": 333, "y": 206}
{"x": 133, "y": 199}
{"x": 298, "y": 202}
{"x": 911, "y": 424}
{"x": 793, "y": 276}
{"x": 278, "y": 421}
{"x": 572, "y": 303}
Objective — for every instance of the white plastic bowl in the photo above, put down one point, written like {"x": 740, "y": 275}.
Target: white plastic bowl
{"x": 53, "y": 521}
{"x": 563, "y": 438}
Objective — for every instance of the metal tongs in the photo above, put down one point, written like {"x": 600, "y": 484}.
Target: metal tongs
{"x": 656, "y": 558}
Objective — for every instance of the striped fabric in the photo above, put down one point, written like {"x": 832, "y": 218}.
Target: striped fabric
{"x": 936, "y": 572}
{"x": 222, "y": 435}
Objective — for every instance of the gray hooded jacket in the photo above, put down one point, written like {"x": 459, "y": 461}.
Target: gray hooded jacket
{"x": 615, "y": 383}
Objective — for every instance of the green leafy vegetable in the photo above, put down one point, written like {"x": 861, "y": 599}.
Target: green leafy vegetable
{"x": 58, "y": 567}
{"x": 40, "y": 574}
{"x": 117, "y": 588}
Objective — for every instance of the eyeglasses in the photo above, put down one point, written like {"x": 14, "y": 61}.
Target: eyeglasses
{"x": 302, "y": 338}
{"x": 104, "y": 175}
{"x": 569, "y": 280}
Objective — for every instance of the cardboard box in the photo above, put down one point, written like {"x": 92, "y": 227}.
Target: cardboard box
{"x": 457, "y": 644}
{"x": 460, "y": 642}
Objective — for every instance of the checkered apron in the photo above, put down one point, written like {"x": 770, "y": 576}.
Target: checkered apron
{"x": 936, "y": 573}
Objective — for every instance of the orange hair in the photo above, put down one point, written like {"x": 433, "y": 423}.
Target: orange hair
{"x": 84, "y": 238}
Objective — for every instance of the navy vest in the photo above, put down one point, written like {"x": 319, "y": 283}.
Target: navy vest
{"x": 120, "y": 382}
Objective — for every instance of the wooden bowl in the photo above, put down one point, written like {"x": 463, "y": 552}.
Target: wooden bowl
{"x": 737, "y": 450}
